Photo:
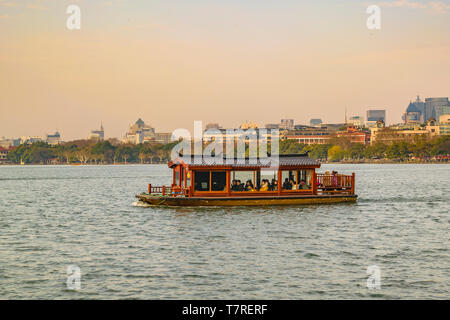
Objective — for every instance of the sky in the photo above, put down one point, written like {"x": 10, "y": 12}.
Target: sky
{"x": 171, "y": 62}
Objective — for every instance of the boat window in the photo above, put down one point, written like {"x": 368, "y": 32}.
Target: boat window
{"x": 218, "y": 181}
{"x": 304, "y": 179}
{"x": 289, "y": 180}
{"x": 188, "y": 178}
{"x": 177, "y": 177}
{"x": 202, "y": 180}
{"x": 296, "y": 180}
{"x": 267, "y": 180}
{"x": 243, "y": 181}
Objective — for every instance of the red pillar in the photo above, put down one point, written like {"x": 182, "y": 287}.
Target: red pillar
{"x": 314, "y": 182}
{"x": 353, "y": 183}
{"x": 280, "y": 183}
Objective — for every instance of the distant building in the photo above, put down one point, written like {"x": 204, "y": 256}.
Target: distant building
{"x": 163, "y": 137}
{"x": 375, "y": 115}
{"x": 4, "y": 154}
{"x": 433, "y": 128}
{"x": 444, "y": 124}
{"x": 435, "y": 107}
{"x": 212, "y": 126}
{"x": 30, "y": 140}
{"x": 98, "y": 135}
{"x": 446, "y": 111}
{"x": 415, "y": 113}
{"x": 315, "y": 122}
{"x": 235, "y": 134}
{"x": 354, "y": 135}
{"x": 308, "y": 135}
{"x": 53, "y": 139}
{"x": 287, "y": 124}
{"x": 7, "y": 143}
{"x": 333, "y": 127}
{"x": 356, "y": 121}
{"x": 272, "y": 126}
{"x": 139, "y": 132}
{"x": 406, "y": 133}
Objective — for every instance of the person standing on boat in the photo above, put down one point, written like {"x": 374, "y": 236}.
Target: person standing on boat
{"x": 334, "y": 179}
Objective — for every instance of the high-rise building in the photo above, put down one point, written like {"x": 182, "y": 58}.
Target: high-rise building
{"x": 98, "y": 134}
{"x": 287, "y": 124}
{"x": 375, "y": 115}
{"x": 435, "y": 107}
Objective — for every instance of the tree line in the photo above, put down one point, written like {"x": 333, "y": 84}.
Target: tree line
{"x": 90, "y": 152}
{"x": 342, "y": 149}
{"x": 112, "y": 152}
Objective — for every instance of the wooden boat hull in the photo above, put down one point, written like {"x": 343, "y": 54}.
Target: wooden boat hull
{"x": 156, "y": 200}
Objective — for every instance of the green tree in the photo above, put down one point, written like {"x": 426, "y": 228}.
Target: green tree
{"x": 335, "y": 153}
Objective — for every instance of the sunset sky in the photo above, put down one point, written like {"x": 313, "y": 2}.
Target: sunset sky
{"x": 171, "y": 62}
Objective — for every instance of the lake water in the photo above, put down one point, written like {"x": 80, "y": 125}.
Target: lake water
{"x": 52, "y": 217}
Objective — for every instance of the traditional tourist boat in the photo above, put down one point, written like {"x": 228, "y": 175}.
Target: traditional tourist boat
{"x": 203, "y": 181}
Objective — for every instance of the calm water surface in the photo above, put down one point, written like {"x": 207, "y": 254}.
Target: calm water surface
{"x": 55, "y": 216}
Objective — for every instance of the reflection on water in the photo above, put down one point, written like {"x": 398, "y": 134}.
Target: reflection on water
{"x": 53, "y": 217}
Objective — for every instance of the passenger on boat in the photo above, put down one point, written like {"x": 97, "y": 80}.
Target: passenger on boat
{"x": 240, "y": 186}
{"x": 249, "y": 186}
{"x": 264, "y": 185}
{"x": 234, "y": 185}
{"x": 287, "y": 185}
{"x": 303, "y": 185}
{"x": 274, "y": 185}
{"x": 334, "y": 179}
{"x": 293, "y": 185}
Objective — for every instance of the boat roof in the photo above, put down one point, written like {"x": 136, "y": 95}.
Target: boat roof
{"x": 284, "y": 160}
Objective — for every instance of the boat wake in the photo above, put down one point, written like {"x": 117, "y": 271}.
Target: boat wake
{"x": 141, "y": 204}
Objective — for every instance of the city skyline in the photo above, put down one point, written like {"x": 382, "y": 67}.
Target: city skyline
{"x": 348, "y": 118}
{"x": 172, "y": 63}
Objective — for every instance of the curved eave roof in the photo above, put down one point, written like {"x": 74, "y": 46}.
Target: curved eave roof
{"x": 283, "y": 161}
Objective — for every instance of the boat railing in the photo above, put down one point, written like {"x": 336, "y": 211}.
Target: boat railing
{"x": 168, "y": 190}
{"x": 337, "y": 183}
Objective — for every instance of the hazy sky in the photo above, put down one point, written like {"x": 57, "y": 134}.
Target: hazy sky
{"x": 174, "y": 61}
